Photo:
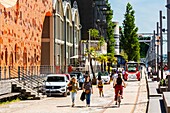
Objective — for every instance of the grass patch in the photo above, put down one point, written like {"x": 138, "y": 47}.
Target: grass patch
{"x": 9, "y": 101}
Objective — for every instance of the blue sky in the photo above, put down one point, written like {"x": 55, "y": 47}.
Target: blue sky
{"x": 146, "y": 12}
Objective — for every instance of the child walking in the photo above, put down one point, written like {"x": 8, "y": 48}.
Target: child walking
{"x": 100, "y": 86}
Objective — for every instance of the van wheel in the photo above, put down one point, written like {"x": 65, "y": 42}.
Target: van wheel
{"x": 65, "y": 94}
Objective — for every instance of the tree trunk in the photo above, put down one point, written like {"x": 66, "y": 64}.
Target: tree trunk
{"x": 104, "y": 65}
{"x": 109, "y": 65}
{"x": 94, "y": 77}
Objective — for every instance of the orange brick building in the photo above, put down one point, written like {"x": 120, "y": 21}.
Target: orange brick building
{"x": 20, "y": 32}
{"x": 27, "y": 32}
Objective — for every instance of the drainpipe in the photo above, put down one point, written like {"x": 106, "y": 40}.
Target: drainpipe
{"x": 54, "y": 62}
{"x": 73, "y": 43}
{"x": 65, "y": 45}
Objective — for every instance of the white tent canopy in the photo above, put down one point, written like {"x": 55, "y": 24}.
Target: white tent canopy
{"x": 8, "y": 3}
{"x": 76, "y": 56}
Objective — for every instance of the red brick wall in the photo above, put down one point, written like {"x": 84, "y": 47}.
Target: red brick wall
{"x": 20, "y": 32}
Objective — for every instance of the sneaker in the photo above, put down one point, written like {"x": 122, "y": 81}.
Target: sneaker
{"x": 102, "y": 95}
{"x": 72, "y": 105}
{"x": 88, "y": 105}
{"x": 122, "y": 97}
{"x": 116, "y": 103}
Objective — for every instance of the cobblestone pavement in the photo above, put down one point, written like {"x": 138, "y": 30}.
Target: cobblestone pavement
{"x": 98, "y": 104}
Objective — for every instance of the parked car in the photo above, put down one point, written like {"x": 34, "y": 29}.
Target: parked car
{"x": 56, "y": 84}
{"x": 79, "y": 76}
{"x": 68, "y": 76}
{"x": 104, "y": 76}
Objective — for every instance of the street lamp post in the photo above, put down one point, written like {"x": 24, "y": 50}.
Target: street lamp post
{"x": 168, "y": 39}
{"x": 89, "y": 54}
{"x": 157, "y": 40}
{"x": 161, "y": 44}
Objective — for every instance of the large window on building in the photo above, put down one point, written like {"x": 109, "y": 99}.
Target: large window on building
{"x": 58, "y": 28}
{"x": 46, "y": 27}
{"x": 68, "y": 32}
{"x": 62, "y": 30}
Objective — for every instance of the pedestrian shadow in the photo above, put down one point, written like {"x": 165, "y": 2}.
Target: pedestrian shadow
{"x": 64, "y": 106}
{"x": 133, "y": 103}
{"x": 99, "y": 107}
{"x": 112, "y": 106}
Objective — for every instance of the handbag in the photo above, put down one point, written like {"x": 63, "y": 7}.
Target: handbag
{"x": 69, "y": 88}
{"x": 82, "y": 97}
{"x": 87, "y": 91}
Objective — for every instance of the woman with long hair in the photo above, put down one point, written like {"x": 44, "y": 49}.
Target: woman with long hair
{"x": 88, "y": 89}
{"x": 74, "y": 88}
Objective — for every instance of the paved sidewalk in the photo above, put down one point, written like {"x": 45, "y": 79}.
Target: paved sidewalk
{"x": 156, "y": 104}
{"x": 142, "y": 100}
{"x": 98, "y": 104}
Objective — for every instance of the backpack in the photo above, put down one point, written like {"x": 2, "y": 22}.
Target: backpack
{"x": 100, "y": 83}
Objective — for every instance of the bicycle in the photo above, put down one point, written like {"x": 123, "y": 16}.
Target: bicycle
{"x": 119, "y": 97}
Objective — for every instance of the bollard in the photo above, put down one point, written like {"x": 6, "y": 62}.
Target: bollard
{"x": 9, "y": 72}
{"x": 18, "y": 73}
{"x": 0, "y": 72}
{"x": 5, "y": 72}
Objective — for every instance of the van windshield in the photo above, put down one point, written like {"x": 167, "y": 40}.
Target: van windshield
{"x": 55, "y": 79}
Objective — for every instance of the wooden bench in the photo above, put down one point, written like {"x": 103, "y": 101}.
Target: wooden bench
{"x": 7, "y": 96}
{"x": 166, "y": 99}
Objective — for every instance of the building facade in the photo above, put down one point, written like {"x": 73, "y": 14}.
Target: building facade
{"x": 92, "y": 16}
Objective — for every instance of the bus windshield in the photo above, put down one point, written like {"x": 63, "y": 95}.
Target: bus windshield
{"x": 131, "y": 67}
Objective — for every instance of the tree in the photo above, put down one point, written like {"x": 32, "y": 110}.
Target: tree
{"x": 124, "y": 55}
{"x": 110, "y": 37}
{"x": 129, "y": 38}
{"x": 91, "y": 52}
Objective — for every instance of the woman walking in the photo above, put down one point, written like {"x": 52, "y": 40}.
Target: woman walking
{"x": 87, "y": 88}
{"x": 74, "y": 88}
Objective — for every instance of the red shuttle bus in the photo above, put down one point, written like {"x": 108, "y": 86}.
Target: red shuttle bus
{"x": 132, "y": 71}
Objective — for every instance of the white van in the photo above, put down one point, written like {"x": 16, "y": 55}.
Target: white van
{"x": 56, "y": 84}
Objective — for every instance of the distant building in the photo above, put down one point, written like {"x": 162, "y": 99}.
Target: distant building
{"x": 117, "y": 38}
{"x": 92, "y": 15}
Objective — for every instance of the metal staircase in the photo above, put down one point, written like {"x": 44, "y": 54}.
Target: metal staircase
{"x": 28, "y": 85}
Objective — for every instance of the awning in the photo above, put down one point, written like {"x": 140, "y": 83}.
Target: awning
{"x": 8, "y": 3}
{"x": 76, "y": 56}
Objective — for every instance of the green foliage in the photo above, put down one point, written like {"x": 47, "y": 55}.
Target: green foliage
{"x": 125, "y": 56}
{"x": 129, "y": 38}
{"x": 101, "y": 41}
{"x": 94, "y": 33}
{"x": 143, "y": 49}
{"x": 102, "y": 57}
{"x": 10, "y": 101}
{"x": 110, "y": 35}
